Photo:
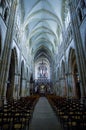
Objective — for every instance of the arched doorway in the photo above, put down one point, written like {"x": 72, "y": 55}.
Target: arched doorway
{"x": 11, "y": 75}
{"x": 73, "y": 74}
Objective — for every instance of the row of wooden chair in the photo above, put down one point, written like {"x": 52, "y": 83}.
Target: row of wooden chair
{"x": 71, "y": 112}
{"x": 16, "y": 114}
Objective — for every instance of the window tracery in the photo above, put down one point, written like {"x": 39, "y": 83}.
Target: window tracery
{"x": 42, "y": 71}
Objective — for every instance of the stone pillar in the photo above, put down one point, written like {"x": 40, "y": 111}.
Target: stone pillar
{"x": 28, "y": 88}
{"x": 73, "y": 84}
{"x": 19, "y": 75}
{"x": 66, "y": 81}
{"x": 5, "y": 62}
{"x": 72, "y": 88}
{"x": 62, "y": 85}
{"x": 80, "y": 56}
{"x": 23, "y": 87}
{"x": 16, "y": 86}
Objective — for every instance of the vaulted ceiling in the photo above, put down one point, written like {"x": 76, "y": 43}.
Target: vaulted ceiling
{"x": 44, "y": 21}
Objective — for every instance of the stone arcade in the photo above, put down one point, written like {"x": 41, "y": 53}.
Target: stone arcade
{"x": 42, "y": 48}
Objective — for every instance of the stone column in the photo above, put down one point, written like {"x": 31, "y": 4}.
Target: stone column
{"x": 80, "y": 56}
{"x": 62, "y": 84}
{"x": 16, "y": 86}
{"x": 5, "y": 62}
{"x": 28, "y": 87}
{"x": 73, "y": 84}
{"x": 64, "y": 87}
{"x": 23, "y": 86}
{"x": 66, "y": 81}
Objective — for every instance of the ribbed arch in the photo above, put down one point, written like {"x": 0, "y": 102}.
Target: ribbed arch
{"x": 46, "y": 41}
{"x": 41, "y": 51}
{"x": 33, "y": 9}
{"x": 44, "y": 28}
{"x": 39, "y": 21}
{"x": 44, "y": 44}
{"x": 45, "y": 11}
{"x": 42, "y": 55}
{"x": 45, "y": 59}
{"x": 37, "y": 28}
{"x": 43, "y": 24}
{"x": 43, "y": 34}
{"x": 40, "y": 31}
{"x": 37, "y": 2}
{"x": 43, "y": 20}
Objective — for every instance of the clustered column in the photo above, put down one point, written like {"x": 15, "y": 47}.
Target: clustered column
{"x": 79, "y": 48}
{"x": 7, "y": 49}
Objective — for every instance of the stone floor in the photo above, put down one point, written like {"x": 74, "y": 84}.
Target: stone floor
{"x": 44, "y": 117}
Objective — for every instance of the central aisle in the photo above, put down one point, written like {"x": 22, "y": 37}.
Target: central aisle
{"x": 44, "y": 117}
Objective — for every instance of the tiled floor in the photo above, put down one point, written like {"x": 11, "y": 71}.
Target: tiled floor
{"x": 44, "y": 117}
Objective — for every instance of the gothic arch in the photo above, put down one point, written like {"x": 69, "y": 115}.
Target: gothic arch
{"x": 6, "y": 13}
{"x": 79, "y": 14}
{"x": 73, "y": 75}
{"x": 11, "y": 74}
